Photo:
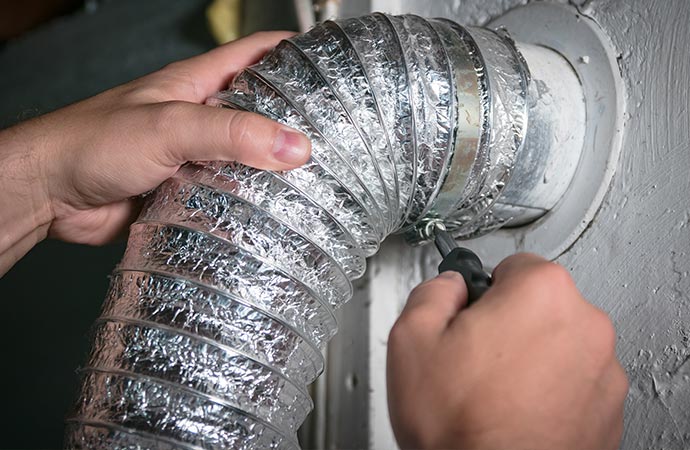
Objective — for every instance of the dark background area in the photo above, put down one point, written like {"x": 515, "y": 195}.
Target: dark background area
{"x": 51, "y": 297}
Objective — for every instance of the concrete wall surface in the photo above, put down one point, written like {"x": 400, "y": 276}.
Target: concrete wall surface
{"x": 633, "y": 260}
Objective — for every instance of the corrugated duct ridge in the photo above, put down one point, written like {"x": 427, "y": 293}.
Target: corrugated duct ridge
{"x": 214, "y": 321}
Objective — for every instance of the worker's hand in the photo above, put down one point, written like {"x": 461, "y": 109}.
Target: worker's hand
{"x": 531, "y": 365}
{"x": 74, "y": 173}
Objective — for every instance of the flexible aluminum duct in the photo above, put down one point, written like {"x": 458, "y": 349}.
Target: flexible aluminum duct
{"x": 214, "y": 321}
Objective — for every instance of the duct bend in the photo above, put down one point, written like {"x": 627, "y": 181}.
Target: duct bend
{"x": 214, "y": 321}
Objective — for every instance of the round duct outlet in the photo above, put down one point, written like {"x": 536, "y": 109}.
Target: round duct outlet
{"x": 581, "y": 42}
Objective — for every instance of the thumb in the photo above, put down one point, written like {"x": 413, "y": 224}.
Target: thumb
{"x": 516, "y": 267}
{"x": 192, "y": 132}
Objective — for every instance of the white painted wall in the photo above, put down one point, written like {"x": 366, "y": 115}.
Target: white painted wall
{"x": 633, "y": 261}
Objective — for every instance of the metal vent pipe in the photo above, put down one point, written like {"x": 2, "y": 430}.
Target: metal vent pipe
{"x": 214, "y": 321}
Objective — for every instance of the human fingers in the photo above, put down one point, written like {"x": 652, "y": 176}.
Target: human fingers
{"x": 433, "y": 304}
{"x": 210, "y": 72}
{"x": 191, "y": 132}
{"x": 534, "y": 280}
{"x": 516, "y": 266}
{"x": 527, "y": 291}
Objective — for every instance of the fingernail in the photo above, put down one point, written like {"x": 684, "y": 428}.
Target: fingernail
{"x": 451, "y": 275}
{"x": 290, "y": 147}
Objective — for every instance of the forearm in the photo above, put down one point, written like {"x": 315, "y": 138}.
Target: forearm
{"x": 25, "y": 208}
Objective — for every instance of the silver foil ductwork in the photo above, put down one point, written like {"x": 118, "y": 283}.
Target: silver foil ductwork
{"x": 216, "y": 316}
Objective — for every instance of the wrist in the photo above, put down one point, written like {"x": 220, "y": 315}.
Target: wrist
{"x": 25, "y": 202}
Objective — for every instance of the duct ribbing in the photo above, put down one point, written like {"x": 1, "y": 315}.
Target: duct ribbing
{"x": 214, "y": 321}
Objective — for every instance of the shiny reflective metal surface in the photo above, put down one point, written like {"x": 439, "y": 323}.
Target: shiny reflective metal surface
{"x": 583, "y": 173}
{"x": 216, "y": 314}
{"x": 554, "y": 139}
{"x": 503, "y": 80}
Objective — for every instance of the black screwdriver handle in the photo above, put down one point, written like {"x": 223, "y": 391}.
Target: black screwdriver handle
{"x": 467, "y": 263}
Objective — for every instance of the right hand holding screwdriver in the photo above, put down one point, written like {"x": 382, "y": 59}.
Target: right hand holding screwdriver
{"x": 531, "y": 365}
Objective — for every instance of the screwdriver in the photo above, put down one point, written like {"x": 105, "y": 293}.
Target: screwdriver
{"x": 461, "y": 260}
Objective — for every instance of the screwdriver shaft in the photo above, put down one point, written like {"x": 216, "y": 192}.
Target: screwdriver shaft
{"x": 444, "y": 241}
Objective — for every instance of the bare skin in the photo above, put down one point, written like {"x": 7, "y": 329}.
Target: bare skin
{"x": 532, "y": 365}
{"x": 74, "y": 174}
